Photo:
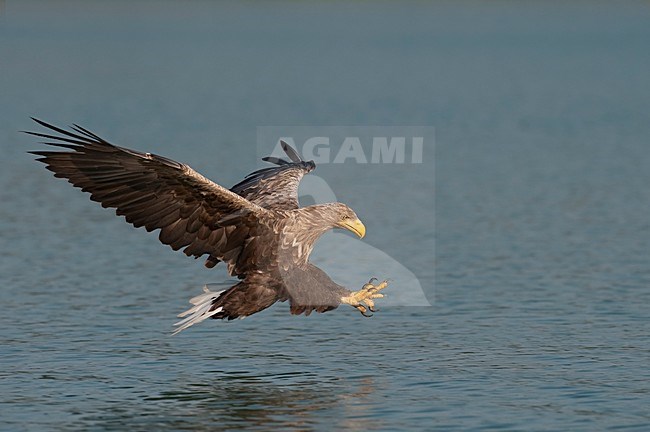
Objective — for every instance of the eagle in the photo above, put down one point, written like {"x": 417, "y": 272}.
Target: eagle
{"x": 256, "y": 228}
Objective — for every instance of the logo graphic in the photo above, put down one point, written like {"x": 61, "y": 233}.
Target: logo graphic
{"x": 360, "y": 153}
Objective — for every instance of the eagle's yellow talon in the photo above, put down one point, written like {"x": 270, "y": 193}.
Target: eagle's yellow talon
{"x": 362, "y": 300}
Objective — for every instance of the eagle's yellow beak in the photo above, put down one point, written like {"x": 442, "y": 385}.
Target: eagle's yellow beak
{"x": 354, "y": 225}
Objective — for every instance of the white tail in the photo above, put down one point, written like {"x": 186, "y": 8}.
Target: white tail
{"x": 200, "y": 311}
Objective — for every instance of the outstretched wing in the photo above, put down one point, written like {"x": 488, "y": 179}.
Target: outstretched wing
{"x": 154, "y": 192}
{"x": 276, "y": 187}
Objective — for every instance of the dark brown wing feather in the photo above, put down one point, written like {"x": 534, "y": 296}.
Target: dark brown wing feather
{"x": 276, "y": 187}
{"x": 154, "y": 192}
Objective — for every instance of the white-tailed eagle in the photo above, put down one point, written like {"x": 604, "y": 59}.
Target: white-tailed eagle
{"x": 257, "y": 227}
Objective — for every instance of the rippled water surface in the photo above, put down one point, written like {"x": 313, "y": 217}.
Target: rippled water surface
{"x": 539, "y": 284}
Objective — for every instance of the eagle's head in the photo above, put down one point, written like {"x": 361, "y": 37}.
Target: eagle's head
{"x": 346, "y": 218}
{"x": 314, "y": 220}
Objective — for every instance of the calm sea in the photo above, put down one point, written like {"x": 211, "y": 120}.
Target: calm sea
{"x": 524, "y": 235}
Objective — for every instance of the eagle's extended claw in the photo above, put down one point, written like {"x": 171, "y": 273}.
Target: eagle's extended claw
{"x": 363, "y": 300}
{"x": 363, "y": 311}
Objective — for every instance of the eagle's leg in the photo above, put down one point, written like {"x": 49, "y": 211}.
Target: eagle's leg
{"x": 363, "y": 300}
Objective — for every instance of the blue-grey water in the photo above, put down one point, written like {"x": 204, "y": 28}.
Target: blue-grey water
{"x": 539, "y": 281}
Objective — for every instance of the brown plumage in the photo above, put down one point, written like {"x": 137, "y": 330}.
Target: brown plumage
{"x": 256, "y": 228}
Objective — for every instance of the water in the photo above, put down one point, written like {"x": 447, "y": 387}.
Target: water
{"x": 539, "y": 281}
